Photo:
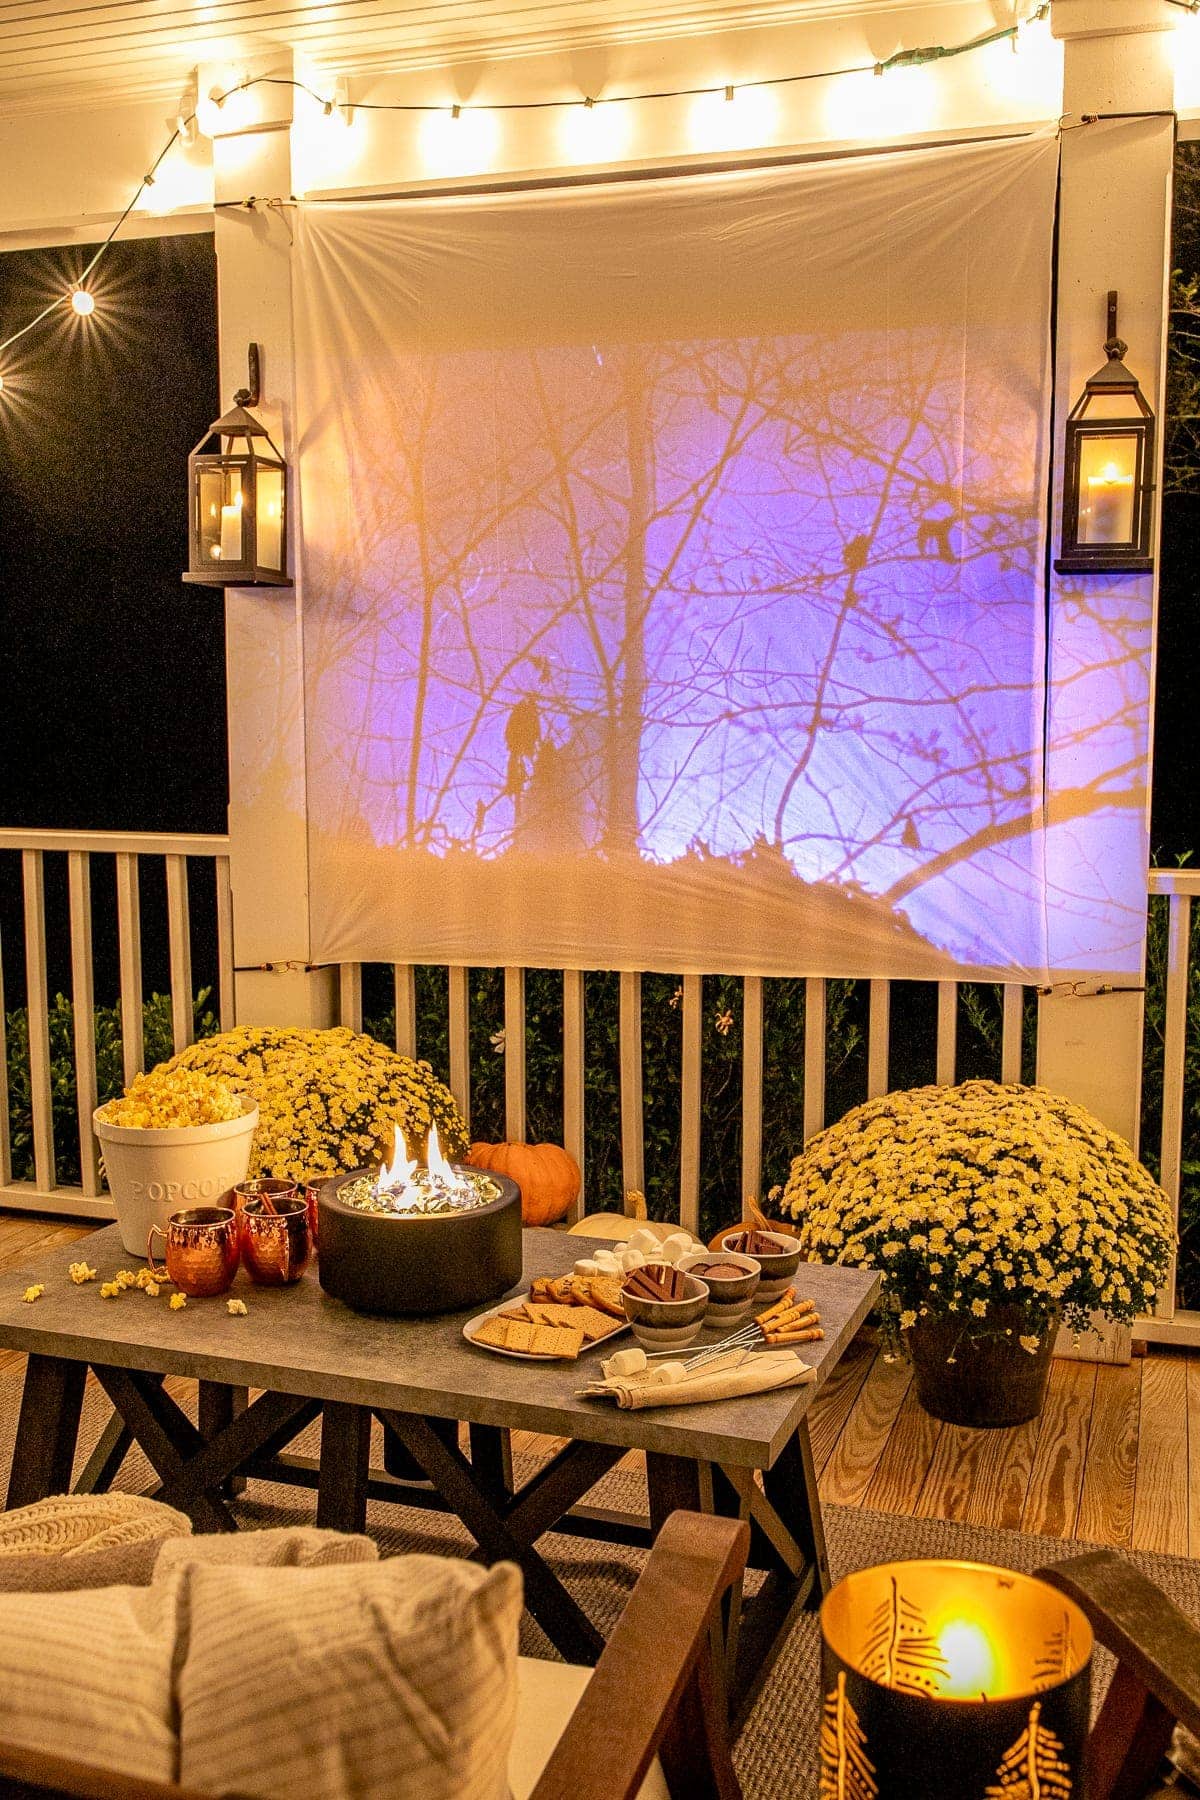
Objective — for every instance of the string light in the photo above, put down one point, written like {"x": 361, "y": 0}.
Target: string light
{"x": 186, "y": 123}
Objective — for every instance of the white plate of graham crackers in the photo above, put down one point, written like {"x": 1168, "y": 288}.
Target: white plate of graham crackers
{"x": 556, "y": 1321}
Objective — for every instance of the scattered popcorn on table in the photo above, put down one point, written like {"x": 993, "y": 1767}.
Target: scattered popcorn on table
{"x": 34, "y": 1293}
{"x": 150, "y": 1288}
{"x": 109, "y": 1290}
{"x": 176, "y": 1301}
{"x": 147, "y": 1279}
{"x": 238, "y": 1308}
{"x": 79, "y": 1273}
{"x": 125, "y": 1278}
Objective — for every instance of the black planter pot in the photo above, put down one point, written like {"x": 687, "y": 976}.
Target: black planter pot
{"x": 986, "y": 1380}
{"x": 428, "y": 1263}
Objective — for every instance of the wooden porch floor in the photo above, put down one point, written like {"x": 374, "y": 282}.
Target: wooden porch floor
{"x": 1115, "y": 1457}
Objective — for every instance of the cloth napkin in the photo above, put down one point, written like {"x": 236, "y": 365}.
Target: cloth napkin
{"x": 724, "y": 1378}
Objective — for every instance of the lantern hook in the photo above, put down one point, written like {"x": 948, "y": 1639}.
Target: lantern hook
{"x": 248, "y": 396}
{"x": 1114, "y": 347}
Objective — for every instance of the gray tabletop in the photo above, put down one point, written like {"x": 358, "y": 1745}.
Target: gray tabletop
{"x": 299, "y": 1341}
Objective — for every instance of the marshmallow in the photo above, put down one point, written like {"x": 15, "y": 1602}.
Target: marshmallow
{"x": 606, "y": 1262}
{"x": 680, "y": 1243}
{"x": 587, "y": 1265}
{"x": 670, "y": 1373}
{"x": 643, "y": 1240}
{"x": 632, "y": 1259}
{"x": 626, "y": 1362}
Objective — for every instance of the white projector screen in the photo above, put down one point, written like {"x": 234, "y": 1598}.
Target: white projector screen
{"x": 674, "y": 575}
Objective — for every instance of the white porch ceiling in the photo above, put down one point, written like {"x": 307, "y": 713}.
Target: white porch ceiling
{"x": 52, "y": 54}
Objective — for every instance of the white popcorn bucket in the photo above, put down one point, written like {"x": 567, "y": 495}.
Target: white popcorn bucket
{"x": 153, "y": 1173}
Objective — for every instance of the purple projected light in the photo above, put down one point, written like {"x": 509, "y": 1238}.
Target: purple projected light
{"x": 703, "y": 649}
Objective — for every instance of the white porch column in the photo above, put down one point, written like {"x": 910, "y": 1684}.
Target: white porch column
{"x": 264, "y": 626}
{"x": 1114, "y": 232}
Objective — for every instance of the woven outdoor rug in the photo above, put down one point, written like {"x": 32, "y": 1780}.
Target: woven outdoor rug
{"x": 776, "y": 1753}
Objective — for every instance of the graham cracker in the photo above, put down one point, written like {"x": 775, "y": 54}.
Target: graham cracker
{"x": 555, "y": 1340}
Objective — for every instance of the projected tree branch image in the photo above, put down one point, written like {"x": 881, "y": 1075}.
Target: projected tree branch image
{"x": 626, "y": 634}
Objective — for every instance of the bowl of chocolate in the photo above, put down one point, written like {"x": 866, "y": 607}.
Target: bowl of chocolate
{"x": 777, "y": 1255}
{"x": 731, "y": 1279}
{"x": 664, "y": 1305}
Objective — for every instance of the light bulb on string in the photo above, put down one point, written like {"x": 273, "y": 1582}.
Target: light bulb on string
{"x": 459, "y": 140}
{"x": 596, "y": 131}
{"x": 733, "y": 118}
{"x": 82, "y": 302}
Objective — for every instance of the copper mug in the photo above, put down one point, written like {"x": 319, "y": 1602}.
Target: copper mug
{"x": 264, "y": 1187}
{"x": 202, "y": 1250}
{"x": 276, "y": 1241}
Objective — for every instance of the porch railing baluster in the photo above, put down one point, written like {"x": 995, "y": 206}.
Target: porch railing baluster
{"x": 814, "y": 1056}
{"x": 404, "y": 982}
{"x": 752, "y": 1085}
{"x": 633, "y": 1121}
{"x": 947, "y": 1033}
{"x": 1174, "y": 1068}
{"x": 38, "y": 1017}
{"x": 225, "y": 974}
{"x": 350, "y": 995}
{"x": 1010, "y": 1036}
{"x": 514, "y": 1055}
{"x": 83, "y": 999}
{"x": 879, "y": 1029}
{"x": 129, "y": 945}
{"x": 460, "y": 1039}
{"x": 179, "y": 941}
{"x": 689, "y": 1104}
{"x": 573, "y": 1077}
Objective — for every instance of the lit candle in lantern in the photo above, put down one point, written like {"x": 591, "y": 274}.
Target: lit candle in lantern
{"x": 978, "y": 1673}
{"x": 231, "y": 530}
{"x": 1109, "y": 506}
{"x": 969, "y": 1657}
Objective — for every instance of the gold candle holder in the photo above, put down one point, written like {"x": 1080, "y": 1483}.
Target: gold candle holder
{"x": 955, "y": 1678}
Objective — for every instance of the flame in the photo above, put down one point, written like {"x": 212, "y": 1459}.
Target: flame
{"x": 1110, "y": 476}
{"x": 970, "y": 1657}
{"x": 404, "y": 1177}
{"x": 403, "y": 1166}
{"x": 439, "y": 1168}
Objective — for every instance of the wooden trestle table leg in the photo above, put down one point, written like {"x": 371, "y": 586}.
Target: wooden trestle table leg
{"x": 345, "y": 1466}
{"x": 47, "y": 1429}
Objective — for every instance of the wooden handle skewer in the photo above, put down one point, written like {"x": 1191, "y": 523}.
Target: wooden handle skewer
{"x": 792, "y": 1322}
{"x": 811, "y": 1335}
{"x": 781, "y": 1305}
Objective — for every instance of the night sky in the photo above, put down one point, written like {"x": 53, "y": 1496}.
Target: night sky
{"x": 112, "y": 670}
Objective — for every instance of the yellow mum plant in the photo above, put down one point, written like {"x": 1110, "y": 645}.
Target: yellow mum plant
{"x": 972, "y": 1198}
{"x": 328, "y": 1101}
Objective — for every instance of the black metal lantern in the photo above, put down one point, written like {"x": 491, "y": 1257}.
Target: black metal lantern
{"x": 1108, "y": 482}
{"x": 238, "y": 501}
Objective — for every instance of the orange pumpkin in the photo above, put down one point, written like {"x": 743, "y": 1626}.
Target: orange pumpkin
{"x": 548, "y": 1178}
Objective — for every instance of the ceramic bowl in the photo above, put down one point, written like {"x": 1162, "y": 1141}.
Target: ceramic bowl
{"x": 729, "y": 1297}
{"x": 777, "y": 1271}
{"x": 668, "y": 1324}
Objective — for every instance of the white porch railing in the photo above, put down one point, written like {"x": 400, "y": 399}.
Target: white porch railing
{"x": 129, "y": 850}
{"x": 45, "y": 1193}
{"x": 630, "y": 1050}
